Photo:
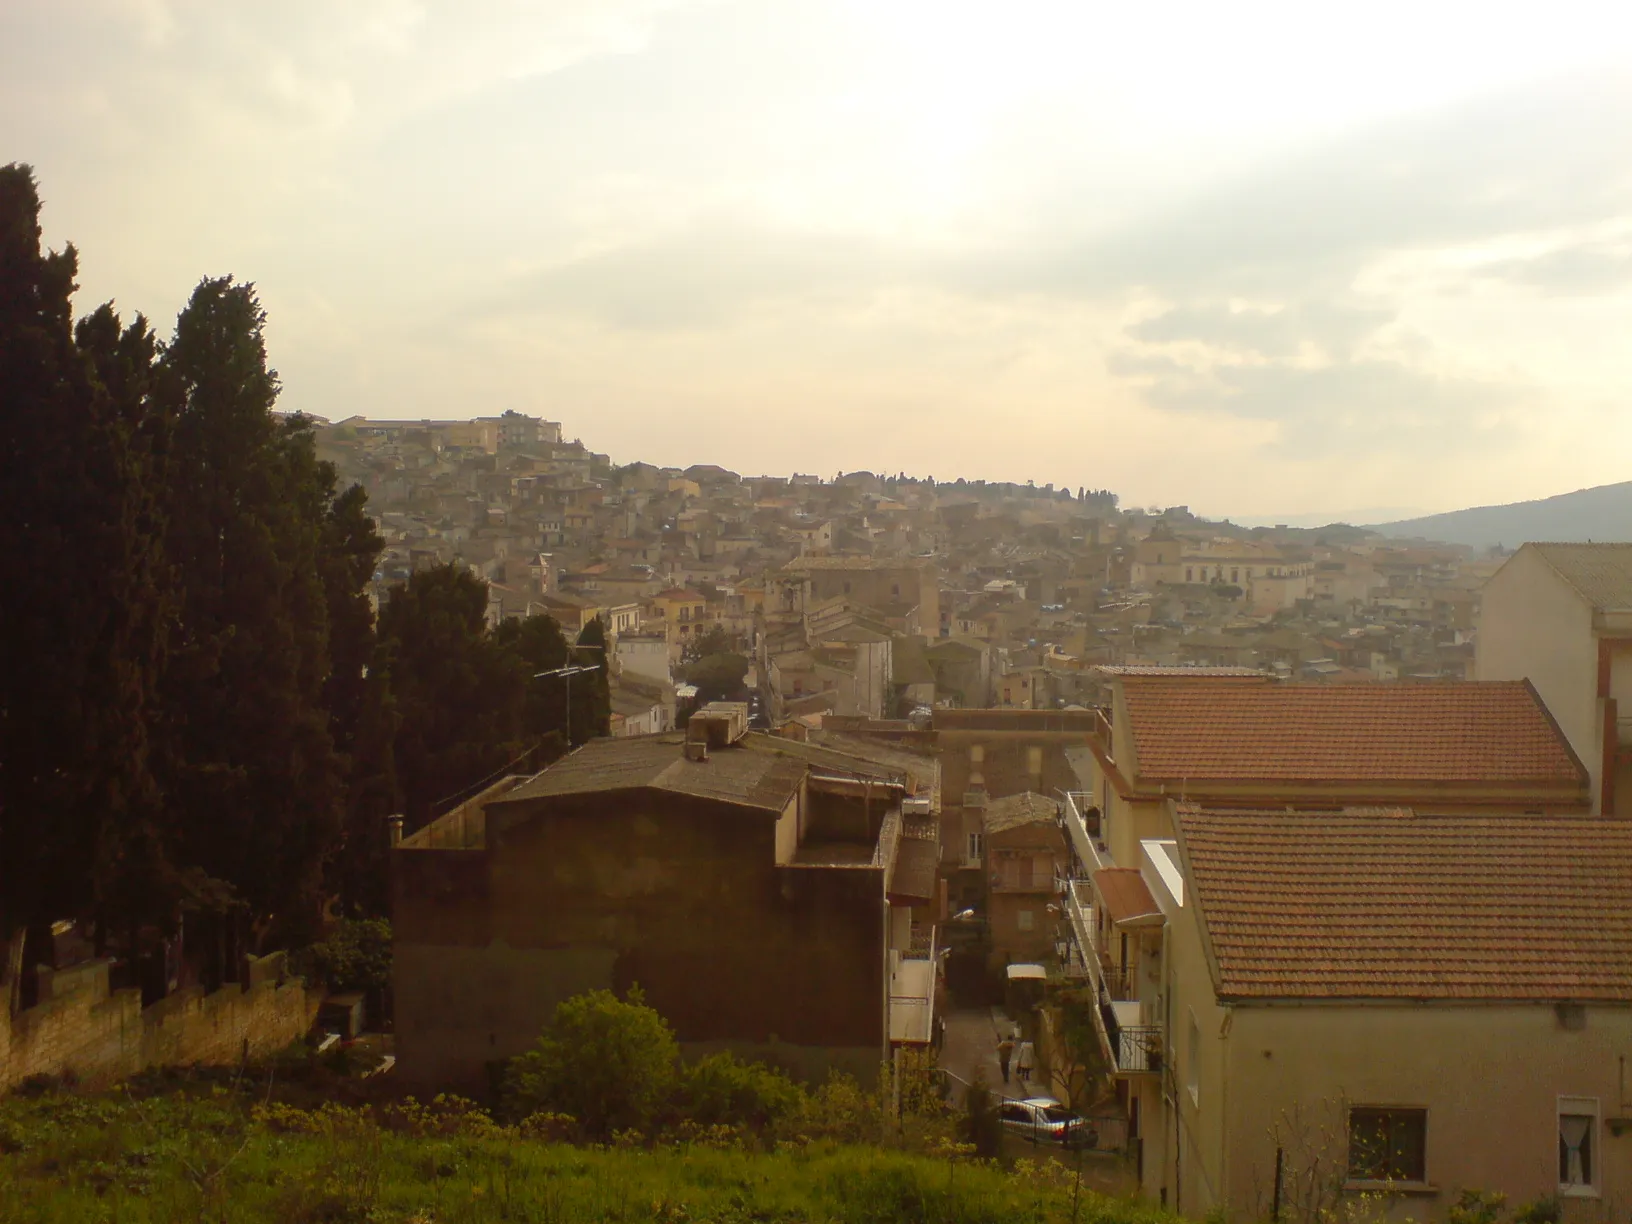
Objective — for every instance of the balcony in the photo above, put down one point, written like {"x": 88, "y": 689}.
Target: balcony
{"x": 1083, "y": 827}
{"x": 912, "y": 989}
{"x": 1131, "y": 1047}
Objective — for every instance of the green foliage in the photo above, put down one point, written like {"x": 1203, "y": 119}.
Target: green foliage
{"x": 979, "y": 1125}
{"x": 1490, "y": 1207}
{"x": 356, "y": 955}
{"x": 606, "y": 1061}
{"x": 233, "y": 1158}
{"x": 592, "y": 694}
{"x": 82, "y": 611}
{"x": 457, "y": 692}
{"x": 717, "y": 676}
{"x": 721, "y": 1091}
{"x": 716, "y": 641}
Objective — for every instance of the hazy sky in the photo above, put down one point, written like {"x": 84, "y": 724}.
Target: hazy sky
{"x": 1260, "y": 257}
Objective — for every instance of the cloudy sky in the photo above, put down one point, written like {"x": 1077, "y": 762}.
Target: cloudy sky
{"x": 1260, "y": 258}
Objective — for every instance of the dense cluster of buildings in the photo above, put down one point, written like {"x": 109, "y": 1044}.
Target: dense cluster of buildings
{"x": 1330, "y": 834}
{"x": 878, "y": 596}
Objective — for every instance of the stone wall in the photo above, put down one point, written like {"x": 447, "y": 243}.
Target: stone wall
{"x": 82, "y": 1027}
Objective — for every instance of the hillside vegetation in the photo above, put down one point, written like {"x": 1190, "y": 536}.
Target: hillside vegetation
{"x": 223, "y": 1154}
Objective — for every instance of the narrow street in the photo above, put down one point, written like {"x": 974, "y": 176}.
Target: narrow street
{"x": 970, "y": 1047}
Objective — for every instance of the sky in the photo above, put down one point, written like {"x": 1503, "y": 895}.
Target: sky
{"x": 1270, "y": 260}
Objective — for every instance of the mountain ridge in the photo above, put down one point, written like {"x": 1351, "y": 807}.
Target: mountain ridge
{"x": 1602, "y": 512}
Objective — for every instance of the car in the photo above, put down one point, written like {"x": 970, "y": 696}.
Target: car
{"x": 1043, "y": 1120}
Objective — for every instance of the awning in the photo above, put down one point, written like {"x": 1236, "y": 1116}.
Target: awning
{"x": 1126, "y": 897}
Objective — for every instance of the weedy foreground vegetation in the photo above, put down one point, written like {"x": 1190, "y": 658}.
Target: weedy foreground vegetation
{"x": 182, "y": 1148}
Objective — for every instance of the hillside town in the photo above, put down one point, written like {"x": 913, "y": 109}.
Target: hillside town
{"x": 436, "y": 820}
{"x": 1322, "y": 834}
{"x": 875, "y": 596}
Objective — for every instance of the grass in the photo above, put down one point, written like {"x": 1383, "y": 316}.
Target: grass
{"x": 200, "y": 1151}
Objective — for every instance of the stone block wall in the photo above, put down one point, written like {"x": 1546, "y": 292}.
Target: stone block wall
{"x": 101, "y": 1036}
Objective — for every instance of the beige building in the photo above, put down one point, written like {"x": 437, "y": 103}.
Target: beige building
{"x": 1560, "y": 616}
{"x": 1389, "y": 1003}
{"x": 1025, "y": 854}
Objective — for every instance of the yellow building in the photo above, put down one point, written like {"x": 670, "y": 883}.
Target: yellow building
{"x": 1560, "y": 616}
{"x": 1382, "y": 1002}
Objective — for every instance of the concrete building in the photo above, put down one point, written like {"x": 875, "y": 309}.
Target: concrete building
{"x": 761, "y": 892}
{"x": 1560, "y": 616}
{"x": 1384, "y": 1002}
{"x": 1025, "y": 855}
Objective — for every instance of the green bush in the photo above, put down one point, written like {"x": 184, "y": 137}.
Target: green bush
{"x": 355, "y": 956}
{"x": 606, "y": 1061}
{"x": 721, "y": 1091}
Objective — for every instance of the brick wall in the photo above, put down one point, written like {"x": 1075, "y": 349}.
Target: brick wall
{"x": 101, "y": 1036}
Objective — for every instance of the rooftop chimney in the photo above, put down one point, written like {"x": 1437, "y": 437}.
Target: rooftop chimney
{"x": 394, "y": 824}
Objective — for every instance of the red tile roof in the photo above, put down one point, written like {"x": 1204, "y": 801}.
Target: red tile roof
{"x": 1219, "y": 729}
{"x": 1391, "y": 904}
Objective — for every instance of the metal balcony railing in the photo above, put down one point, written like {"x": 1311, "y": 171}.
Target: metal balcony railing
{"x": 1135, "y": 1048}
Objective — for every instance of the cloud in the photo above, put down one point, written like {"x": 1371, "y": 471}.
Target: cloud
{"x": 707, "y": 275}
{"x": 1572, "y": 271}
{"x": 1333, "y": 378}
{"x": 1331, "y": 327}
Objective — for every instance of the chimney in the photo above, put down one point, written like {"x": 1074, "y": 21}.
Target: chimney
{"x": 393, "y": 822}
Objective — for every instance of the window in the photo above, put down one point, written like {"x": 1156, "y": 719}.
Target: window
{"x": 1193, "y": 1074}
{"x": 1578, "y": 1145}
{"x": 1023, "y": 919}
{"x": 976, "y": 847}
{"x": 1388, "y": 1144}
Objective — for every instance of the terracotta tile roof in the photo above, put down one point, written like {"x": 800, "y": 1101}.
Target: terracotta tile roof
{"x": 1125, "y": 894}
{"x": 1602, "y": 573}
{"x": 1150, "y": 669}
{"x": 1391, "y": 904}
{"x": 1012, "y": 811}
{"x": 1241, "y": 730}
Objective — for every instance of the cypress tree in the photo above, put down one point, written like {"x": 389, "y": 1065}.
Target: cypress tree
{"x": 80, "y": 618}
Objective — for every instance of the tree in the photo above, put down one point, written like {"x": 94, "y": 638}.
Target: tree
{"x": 257, "y": 785}
{"x": 715, "y": 641}
{"x": 537, "y": 644}
{"x": 718, "y": 677}
{"x": 608, "y": 1062}
{"x": 592, "y": 694}
{"x": 458, "y": 693}
{"x": 80, "y": 618}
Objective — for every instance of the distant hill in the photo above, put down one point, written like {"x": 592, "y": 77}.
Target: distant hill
{"x": 1601, "y": 513}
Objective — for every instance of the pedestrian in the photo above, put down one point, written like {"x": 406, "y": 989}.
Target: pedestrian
{"x": 1025, "y": 1060}
{"x": 1005, "y": 1051}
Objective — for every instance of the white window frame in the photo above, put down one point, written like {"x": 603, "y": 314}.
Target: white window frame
{"x": 1588, "y": 1107}
{"x": 974, "y": 847}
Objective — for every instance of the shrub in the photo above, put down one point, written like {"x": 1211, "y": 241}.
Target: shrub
{"x": 608, "y": 1062}
{"x": 355, "y": 956}
{"x": 721, "y": 1091}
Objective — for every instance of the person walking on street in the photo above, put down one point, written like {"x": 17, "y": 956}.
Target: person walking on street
{"x": 1025, "y": 1060}
{"x": 1005, "y": 1051}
